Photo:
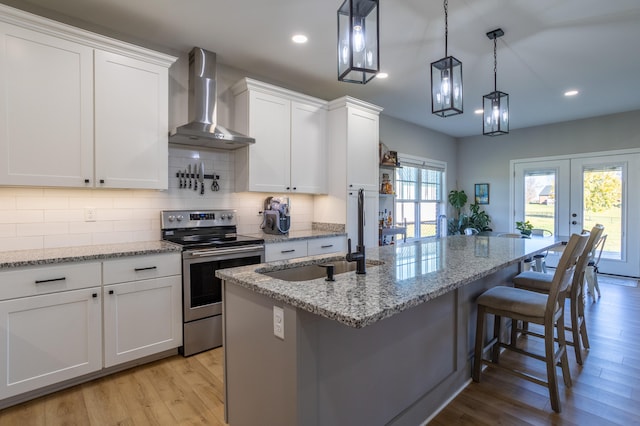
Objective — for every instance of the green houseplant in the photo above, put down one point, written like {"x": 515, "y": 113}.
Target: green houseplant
{"x": 457, "y": 199}
{"x": 479, "y": 219}
{"x": 524, "y": 227}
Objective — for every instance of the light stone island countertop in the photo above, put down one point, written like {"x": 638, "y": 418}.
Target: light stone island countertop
{"x": 410, "y": 274}
{"x": 19, "y": 258}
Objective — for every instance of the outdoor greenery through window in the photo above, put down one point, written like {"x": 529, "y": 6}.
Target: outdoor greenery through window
{"x": 418, "y": 197}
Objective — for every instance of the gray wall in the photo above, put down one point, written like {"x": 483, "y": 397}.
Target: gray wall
{"x": 483, "y": 159}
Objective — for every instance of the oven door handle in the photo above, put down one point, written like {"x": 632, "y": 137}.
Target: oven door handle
{"x": 221, "y": 252}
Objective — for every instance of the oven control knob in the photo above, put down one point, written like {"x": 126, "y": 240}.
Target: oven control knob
{"x": 223, "y": 216}
{"x": 179, "y": 218}
{"x": 229, "y": 216}
{"x": 171, "y": 218}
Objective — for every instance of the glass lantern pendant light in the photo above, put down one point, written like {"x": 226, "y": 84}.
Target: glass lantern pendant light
{"x": 358, "y": 41}
{"x": 446, "y": 79}
{"x": 495, "y": 116}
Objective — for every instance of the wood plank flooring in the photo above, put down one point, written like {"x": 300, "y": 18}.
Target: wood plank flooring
{"x": 188, "y": 391}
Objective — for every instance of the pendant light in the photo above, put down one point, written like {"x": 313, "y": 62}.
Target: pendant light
{"x": 358, "y": 41}
{"x": 446, "y": 79}
{"x": 495, "y": 116}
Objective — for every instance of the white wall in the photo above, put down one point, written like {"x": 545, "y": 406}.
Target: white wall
{"x": 483, "y": 159}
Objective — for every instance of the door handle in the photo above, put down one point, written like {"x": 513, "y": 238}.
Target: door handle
{"x": 574, "y": 222}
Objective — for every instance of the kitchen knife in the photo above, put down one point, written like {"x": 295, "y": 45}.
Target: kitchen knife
{"x": 189, "y": 175}
{"x": 196, "y": 172}
{"x": 202, "y": 178}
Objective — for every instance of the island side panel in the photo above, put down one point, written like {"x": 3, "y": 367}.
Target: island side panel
{"x": 371, "y": 375}
{"x": 260, "y": 368}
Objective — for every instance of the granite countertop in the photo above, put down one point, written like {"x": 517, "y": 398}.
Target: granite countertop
{"x": 410, "y": 274}
{"x": 297, "y": 235}
{"x": 18, "y": 258}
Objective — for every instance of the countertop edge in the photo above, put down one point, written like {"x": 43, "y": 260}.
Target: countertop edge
{"x": 61, "y": 255}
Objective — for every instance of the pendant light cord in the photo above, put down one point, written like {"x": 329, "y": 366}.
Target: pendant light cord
{"x": 446, "y": 26}
{"x": 495, "y": 64}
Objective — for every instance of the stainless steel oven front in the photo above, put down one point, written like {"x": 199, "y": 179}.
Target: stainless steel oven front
{"x": 202, "y": 292}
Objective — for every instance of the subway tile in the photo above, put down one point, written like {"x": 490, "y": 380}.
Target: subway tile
{"x": 67, "y": 240}
{"x": 90, "y": 227}
{"x": 114, "y": 214}
{"x": 30, "y": 203}
{"x": 69, "y": 215}
{"x": 7, "y": 230}
{"x": 112, "y": 237}
{"x": 34, "y": 229}
{"x": 22, "y": 216}
{"x": 131, "y": 225}
{"x": 21, "y": 243}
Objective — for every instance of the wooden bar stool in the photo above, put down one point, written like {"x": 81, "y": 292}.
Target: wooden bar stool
{"x": 533, "y": 307}
{"x": 540, "y": 282}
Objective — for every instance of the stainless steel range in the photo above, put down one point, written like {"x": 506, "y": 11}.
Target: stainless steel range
{"x": 210, "y": 242}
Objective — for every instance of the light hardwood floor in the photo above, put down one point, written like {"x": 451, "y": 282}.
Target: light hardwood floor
{"x": 188, "y": 391}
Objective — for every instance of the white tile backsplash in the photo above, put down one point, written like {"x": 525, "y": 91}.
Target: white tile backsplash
{"x": 34, "y": 218}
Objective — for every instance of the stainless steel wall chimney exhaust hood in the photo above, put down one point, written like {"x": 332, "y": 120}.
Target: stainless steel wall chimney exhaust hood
{"x": 202, "y": 129}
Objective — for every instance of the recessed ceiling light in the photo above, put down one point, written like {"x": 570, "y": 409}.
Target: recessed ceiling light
{"x": 299, "y": 38}
{"x": 571, "y": 93}
{"x": 478, "y": 111}
{"x": 382, "y": 75}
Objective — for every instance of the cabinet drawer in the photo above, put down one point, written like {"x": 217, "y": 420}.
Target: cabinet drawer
{"x": 283, "y": 251}
{"x": 326, "y": 245}
{"x": 141, "y": 267}
{"x": 31, "y": 281}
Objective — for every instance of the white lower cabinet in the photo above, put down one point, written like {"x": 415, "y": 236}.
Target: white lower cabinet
{"x": 142, "y": 306}
{"x": 64, "y": 321}
{"x": 300, "y": 248}
{"x": 48, "y": 339}
{"x": 141, "y": 318}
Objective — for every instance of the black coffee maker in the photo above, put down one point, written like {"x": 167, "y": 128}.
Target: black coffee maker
{"x": 277, "y": 218}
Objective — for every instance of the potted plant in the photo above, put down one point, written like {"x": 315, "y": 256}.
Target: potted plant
{"x": 457, "y": 199}
{"x": 524, "y": 227}
{"x": 479, "y": 219}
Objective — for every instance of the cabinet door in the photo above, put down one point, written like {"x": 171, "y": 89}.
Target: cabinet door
{"x": 362, "y": 150}
{"x": 269, "y": 157}
{"x": 370, "y": 218}
{"x": 308, "y": 149}
{"x": 142, "y": 318}
{"x": 49, "y": 338}
{"x": 131, "y": 122}
{"x": 46, "y": 110}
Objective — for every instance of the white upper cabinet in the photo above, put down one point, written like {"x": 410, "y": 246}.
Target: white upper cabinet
{"x": 46, "y": 109}
{"x": 290, "y": 132}
{"x": 78, "y": 109}
{"x": 131, "y": 111}
{"x": 308, "y": 148}
{"x": 362, "y": 149}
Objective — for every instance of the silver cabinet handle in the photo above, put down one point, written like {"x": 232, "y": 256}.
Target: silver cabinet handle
{"x": 327, "y": 246}
{"x": 145, "y": 269}
{"x": 287, "y": 251}
{"x": 50, "y": 280}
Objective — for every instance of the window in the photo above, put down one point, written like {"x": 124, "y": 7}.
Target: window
{"x": 419, "y": 187}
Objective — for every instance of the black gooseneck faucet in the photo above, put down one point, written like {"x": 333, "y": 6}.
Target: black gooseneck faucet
{"x": 358, "y": 255}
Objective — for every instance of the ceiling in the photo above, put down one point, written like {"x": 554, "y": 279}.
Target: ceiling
{"x": 549, "y": 46}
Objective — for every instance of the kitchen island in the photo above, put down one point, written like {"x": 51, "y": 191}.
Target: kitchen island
{"x": 388, "y": 347}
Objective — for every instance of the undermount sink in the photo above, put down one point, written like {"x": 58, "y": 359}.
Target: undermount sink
{"x": 315, "y": 271}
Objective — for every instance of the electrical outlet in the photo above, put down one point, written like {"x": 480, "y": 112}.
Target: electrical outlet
{"x": 90, "y": 214}
{"x": 278, "y": 322}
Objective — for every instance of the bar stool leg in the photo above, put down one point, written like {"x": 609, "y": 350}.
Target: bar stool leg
{"x": 477, "y": 356}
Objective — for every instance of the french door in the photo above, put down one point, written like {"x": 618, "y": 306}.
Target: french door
{"x": 567, "y": 195}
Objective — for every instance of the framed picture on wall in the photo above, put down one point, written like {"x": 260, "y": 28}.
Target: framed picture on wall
{"x": 482, "y": 193}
